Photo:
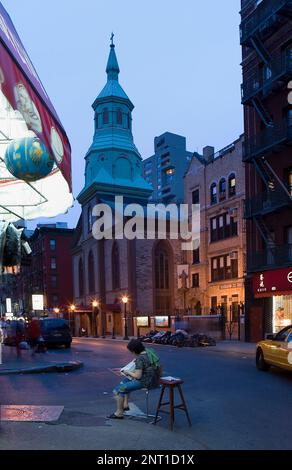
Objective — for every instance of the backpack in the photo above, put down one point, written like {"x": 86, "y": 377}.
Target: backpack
{"x": 155, "y": 362}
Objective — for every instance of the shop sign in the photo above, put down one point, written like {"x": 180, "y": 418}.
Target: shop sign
{"x": 269, "y": 283}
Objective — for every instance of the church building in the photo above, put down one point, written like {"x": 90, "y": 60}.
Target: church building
{"x": 118, "y": 280}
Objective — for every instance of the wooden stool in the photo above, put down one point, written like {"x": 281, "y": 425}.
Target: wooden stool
{"x": 171, "y": 385}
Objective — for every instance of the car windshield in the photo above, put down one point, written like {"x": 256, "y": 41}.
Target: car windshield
{"x": 54, "y": 324}
{"x": 282, "y": 335}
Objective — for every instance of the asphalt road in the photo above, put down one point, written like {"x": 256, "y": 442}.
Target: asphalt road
{"x": 232, "y": 405}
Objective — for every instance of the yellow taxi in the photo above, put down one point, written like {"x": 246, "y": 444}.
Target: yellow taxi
{"x": 276, "y": 350}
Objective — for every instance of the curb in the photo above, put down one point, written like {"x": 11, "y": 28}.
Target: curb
{"x": 60, "y": 367}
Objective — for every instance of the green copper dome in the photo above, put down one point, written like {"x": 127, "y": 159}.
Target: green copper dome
{"x": 113, "y": 162}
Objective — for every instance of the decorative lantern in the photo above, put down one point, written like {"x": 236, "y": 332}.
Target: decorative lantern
{"x": 28, "y": 159}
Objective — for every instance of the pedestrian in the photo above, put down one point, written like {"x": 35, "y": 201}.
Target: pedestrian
{"x": 19, "y": 330}
{"x": 145, "y": 374}
{"x": 33, "y": 334}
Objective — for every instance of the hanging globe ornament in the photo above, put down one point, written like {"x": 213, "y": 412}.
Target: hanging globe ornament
{"x": 28, "y": 159}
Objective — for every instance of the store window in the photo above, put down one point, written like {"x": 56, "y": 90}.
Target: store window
{"x": 282, "y": 312}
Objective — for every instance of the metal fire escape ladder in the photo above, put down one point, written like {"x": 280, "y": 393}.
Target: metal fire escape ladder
{"x": 261, "y": 50}
{"x": 264, "y": 231}
{"x": 264, "y": 172}
{"x": 265, "y": 57}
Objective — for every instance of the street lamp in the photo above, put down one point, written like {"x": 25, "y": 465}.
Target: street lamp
{"x": 57, "y": 311}
{"x": 95, "y": 305}
{"x": 125, "y": 300}
{"x": 72, "y": 309}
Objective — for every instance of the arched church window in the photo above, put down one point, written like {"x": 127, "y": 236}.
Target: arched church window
{"x": 116, "y": 281}
{"x": 119, "y": 116}
{"x": 162, "y": 273}
{"x": 91, "y": 276}
{"x": 105, "y": 116}
{"x": 80, "y": 278}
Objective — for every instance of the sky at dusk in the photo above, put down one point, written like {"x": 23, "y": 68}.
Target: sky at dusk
{"x": 179, "y": 62}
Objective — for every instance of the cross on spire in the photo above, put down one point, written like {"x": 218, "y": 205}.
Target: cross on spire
{"x": 112, "y": 39}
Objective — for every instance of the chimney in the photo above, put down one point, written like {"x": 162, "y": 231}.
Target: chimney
{"x": 208, "y": 152}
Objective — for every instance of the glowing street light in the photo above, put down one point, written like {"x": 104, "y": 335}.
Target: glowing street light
{"x": 57, "y": 311}
{"x": 125, "y": 300}
{"x": 95, "y": 305}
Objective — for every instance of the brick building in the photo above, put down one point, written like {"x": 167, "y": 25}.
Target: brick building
{"x": 266, "y": 39}
{"x": 50, "y": 270}
{"x": 216, "y": 181}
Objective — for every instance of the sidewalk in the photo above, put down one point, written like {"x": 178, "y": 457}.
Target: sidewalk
{"x": 28, "y": 364}
{"x": 233, "y": 346}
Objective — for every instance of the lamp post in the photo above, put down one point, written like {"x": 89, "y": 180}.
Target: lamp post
{"x": 72, "y": 309}
{"x": 125, "y": 300}
{"x": 94, "y": 322}
{"x": 57, "y": 311}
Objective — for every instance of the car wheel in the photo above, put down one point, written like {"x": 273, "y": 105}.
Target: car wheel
{"x": 260, "y": 361}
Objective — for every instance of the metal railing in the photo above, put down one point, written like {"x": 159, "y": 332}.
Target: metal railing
{"x": 266, "y": 202}
{"x": 267, "y": 140}
{"x": 263, "y": 17}
{"x": 273, "y": 257}
{"x": 281, "y": 68}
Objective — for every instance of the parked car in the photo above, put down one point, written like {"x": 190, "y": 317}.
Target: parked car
{"x": 55, "y": 332}
{"x": 276, "y": 350}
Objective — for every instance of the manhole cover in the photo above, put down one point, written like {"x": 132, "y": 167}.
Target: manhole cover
{"x": 30, "y": 413}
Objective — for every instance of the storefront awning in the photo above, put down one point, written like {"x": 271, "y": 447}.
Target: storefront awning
{"x": 270, "y": 283}
{"x": 27, "y": 112}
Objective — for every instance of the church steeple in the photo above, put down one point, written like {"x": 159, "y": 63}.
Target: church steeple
{"x": 113, "y": 162}
{"x": 112, "y": 68}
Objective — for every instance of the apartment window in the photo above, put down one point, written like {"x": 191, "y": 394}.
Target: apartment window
{"x": 267, "y": 73}
{"x": 196, "y": 196}
{"x": 53, "y": 263}
{"x": 232, "y": 185}
{"x": 213, "y": 193}
{"x": 222, "y": 226}
{"x": 196, "y": 256}
{"x": 105, "y": 116}
{"x": 52, "y": 245}
{"x": 119, "y": 116}
{"x": 224, "y": 267}
{"x": 222, "y": 189}
{"x": 54, "y": 283}
{"x": 196, "y": 280}
{"x": 55, "y": 299}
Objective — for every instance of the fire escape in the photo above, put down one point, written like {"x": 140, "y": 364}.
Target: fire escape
{"x": 274, "y": 74}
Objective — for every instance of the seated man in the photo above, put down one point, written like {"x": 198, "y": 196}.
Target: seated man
{"x": 145, "y": 375}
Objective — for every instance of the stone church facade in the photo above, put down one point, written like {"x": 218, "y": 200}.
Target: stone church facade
{"x": 106, "y": 270}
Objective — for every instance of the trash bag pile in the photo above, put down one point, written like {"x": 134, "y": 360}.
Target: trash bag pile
{"x": 180, "y": 338}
